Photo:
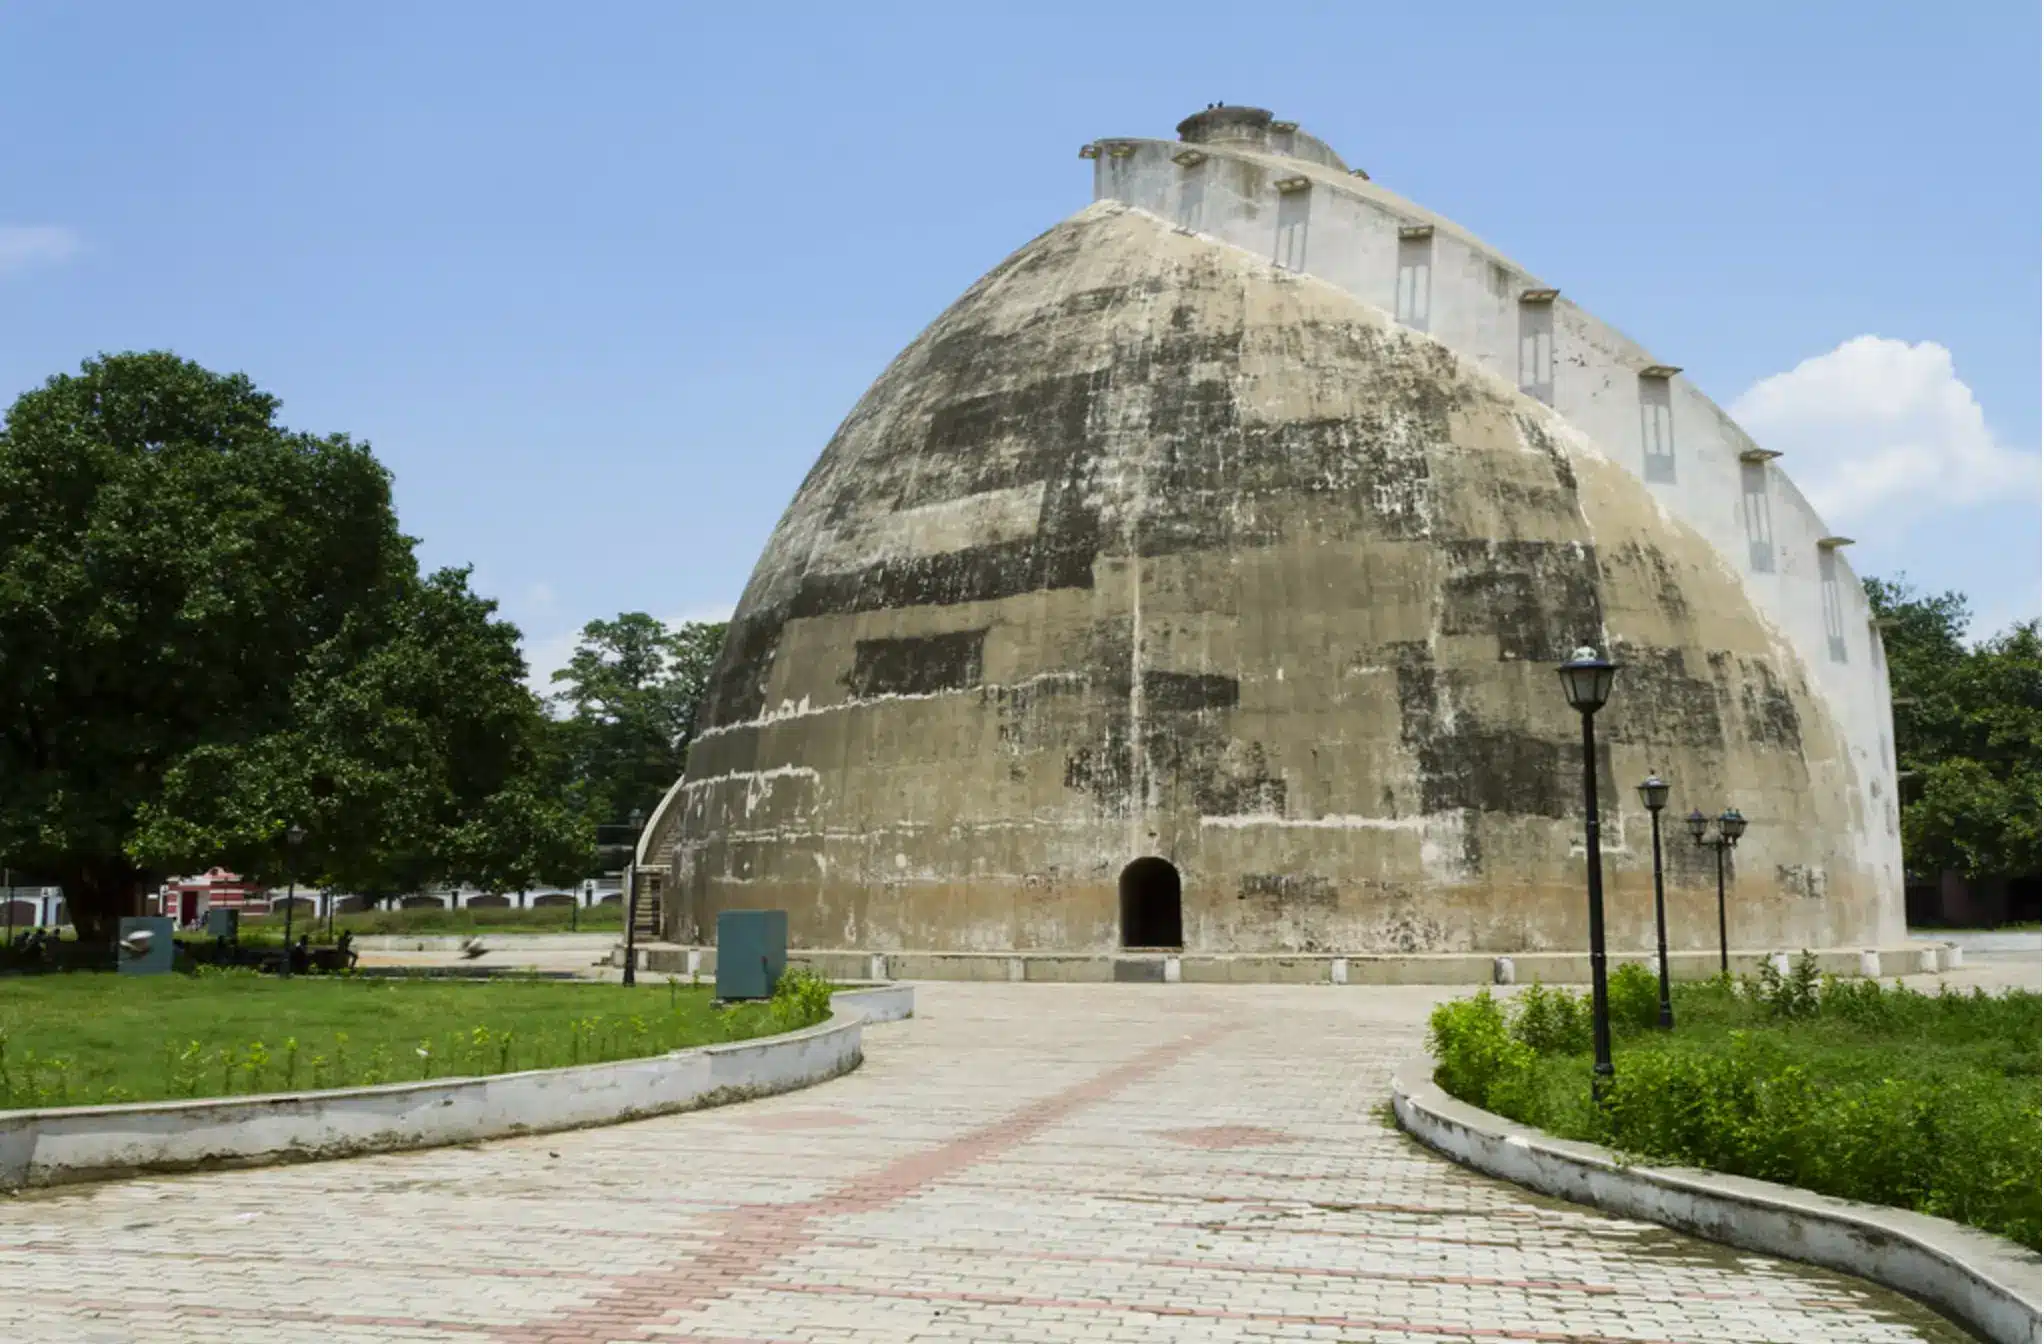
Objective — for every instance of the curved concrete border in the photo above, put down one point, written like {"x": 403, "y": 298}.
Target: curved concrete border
{"x": 1990, "y": 1284}
{"x": 880, "y": 1003}
{"x": 63, "y": 1145}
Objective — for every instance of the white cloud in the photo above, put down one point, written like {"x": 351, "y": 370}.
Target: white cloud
{"x": 23, "y": 246}
{"x": 546, "y": 656}
{"x": 1880, "y": 426}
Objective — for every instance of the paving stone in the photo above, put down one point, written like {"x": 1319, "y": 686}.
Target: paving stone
{"x": 1096, "y": 1163}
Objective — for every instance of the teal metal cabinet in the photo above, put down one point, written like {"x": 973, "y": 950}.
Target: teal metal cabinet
{"x": 752, "y": 951}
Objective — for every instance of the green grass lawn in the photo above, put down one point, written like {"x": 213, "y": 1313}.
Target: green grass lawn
{"x": 87, "y": 1038}
{"x": 1886, "y": 1095}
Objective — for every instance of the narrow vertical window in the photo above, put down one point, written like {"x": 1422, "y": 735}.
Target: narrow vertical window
{"x": 1291, "y": 224}
{"x": 1834, "y": 599}
{"x": 1192, "y": 202}
{"x": 1759, "y": 522}
{"x": 1415, "y": 275}
{"x": 1192, "y": 190}
{"x": 1657, "y": 427}
{"x": 1536, "y": 344}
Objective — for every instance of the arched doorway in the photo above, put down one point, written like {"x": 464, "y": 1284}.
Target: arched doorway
{"x": 1150, "y": 912}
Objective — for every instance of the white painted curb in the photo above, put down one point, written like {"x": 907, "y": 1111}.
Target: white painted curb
{"x": 1986, "y": 1282}
{"x": 882, "y": 1003}
{"x": 62, "y": 1145}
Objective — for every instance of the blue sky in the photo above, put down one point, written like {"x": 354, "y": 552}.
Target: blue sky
{"x": 598, "y": 280}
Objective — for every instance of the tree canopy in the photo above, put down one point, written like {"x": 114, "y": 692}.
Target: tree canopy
{"x": 211, "y": 628}
{"x": 1967, "y": 732}
{"x": 630, "y": 695}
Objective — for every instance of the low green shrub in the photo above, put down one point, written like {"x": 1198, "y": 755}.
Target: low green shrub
{"x": 1551, "y": 1021}
{"x": 1634, "y": 993}
{"x": 1845, "y": 1087}
{"x": 801, "y": 999}
{"x": 1477, "y": 1052}
{"x": 1794, "y": 994}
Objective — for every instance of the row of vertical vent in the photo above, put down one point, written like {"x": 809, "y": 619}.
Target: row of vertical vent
{"x": 1412, "y": 302}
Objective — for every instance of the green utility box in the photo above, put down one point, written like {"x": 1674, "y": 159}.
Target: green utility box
{"x": 223, "y": 924}
{"x": 146, "y": 945}
{"x": 752, "y": 951}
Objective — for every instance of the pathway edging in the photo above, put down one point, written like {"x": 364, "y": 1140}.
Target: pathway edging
{"x": 63, "y": 1145}
{"x": 1987, "y": 1282}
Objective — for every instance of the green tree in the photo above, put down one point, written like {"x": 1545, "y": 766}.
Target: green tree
{"x": 1967, "y": 727}
{"x": 211, "y": 628}
{"x": 423, "y": 761}
{"x": 631, "y": 694}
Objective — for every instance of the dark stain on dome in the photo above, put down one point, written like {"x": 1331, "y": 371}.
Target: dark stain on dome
{"x": 1188, "y": 692}
{"x": 1771, "y": 717}
{"x": 1281, "y": 889}
{"x": 1539, "y": 598}
{"x": 1466, "y": 763}
{"x": 1650, "y": 566}
{"x": 1663, "y": 703}
{"x": 917, "y": 664}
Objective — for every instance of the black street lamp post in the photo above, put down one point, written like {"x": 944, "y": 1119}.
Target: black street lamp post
{"x": 1654, "y": 793}
{"x": 1586, "y": 681}
{"x": 294, "y": 838}
{"x": 1730, "y": 827}
{"x": 632, "y": 900}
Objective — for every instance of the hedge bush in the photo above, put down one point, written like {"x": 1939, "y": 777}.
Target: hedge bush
{"x": 1846, "y": 1087}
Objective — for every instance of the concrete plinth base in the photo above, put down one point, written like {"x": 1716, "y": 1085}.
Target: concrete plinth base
{"x": 1353, "y": 968}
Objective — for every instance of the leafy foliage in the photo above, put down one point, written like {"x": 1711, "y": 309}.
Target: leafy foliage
{"x": 1478, "y": 1057}
{"x": 1796, "y": 993}
{"x": 211, "y": 628}
{"x": 1551, "y": 1021}
{"x": 631, "y": 693}
{"x": 801, "y": 998}
{"x": 1967, "y": 724}
{"x": 1634, "y": 993}
{"x": 1886, "y": 1095}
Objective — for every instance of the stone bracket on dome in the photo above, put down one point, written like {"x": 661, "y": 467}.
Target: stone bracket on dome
{"x": 1189, "y": 158}
{"x": 1832, "y": 543}
{"x": 1660, "y": 371}
{"x": 1539, "y": 295}
{"x": 1288, "y": 186}
{"x": 1284, "y": 127}
{"x": 1758, "y": 455}
{"x": 1091, "y": 151}
{"x": 1415, "y": 230}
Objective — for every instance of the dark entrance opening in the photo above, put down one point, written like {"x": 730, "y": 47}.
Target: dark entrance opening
{"x": 1150, "y": 913}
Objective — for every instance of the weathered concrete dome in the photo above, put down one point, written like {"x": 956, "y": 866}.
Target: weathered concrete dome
{"x": 1150, "y": 550}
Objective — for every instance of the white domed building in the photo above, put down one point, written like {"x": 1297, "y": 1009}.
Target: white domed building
{"x": 1198, "y": 579}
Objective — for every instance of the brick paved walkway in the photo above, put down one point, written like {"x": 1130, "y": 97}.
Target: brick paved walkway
{"x": 1021, "y": 1162}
